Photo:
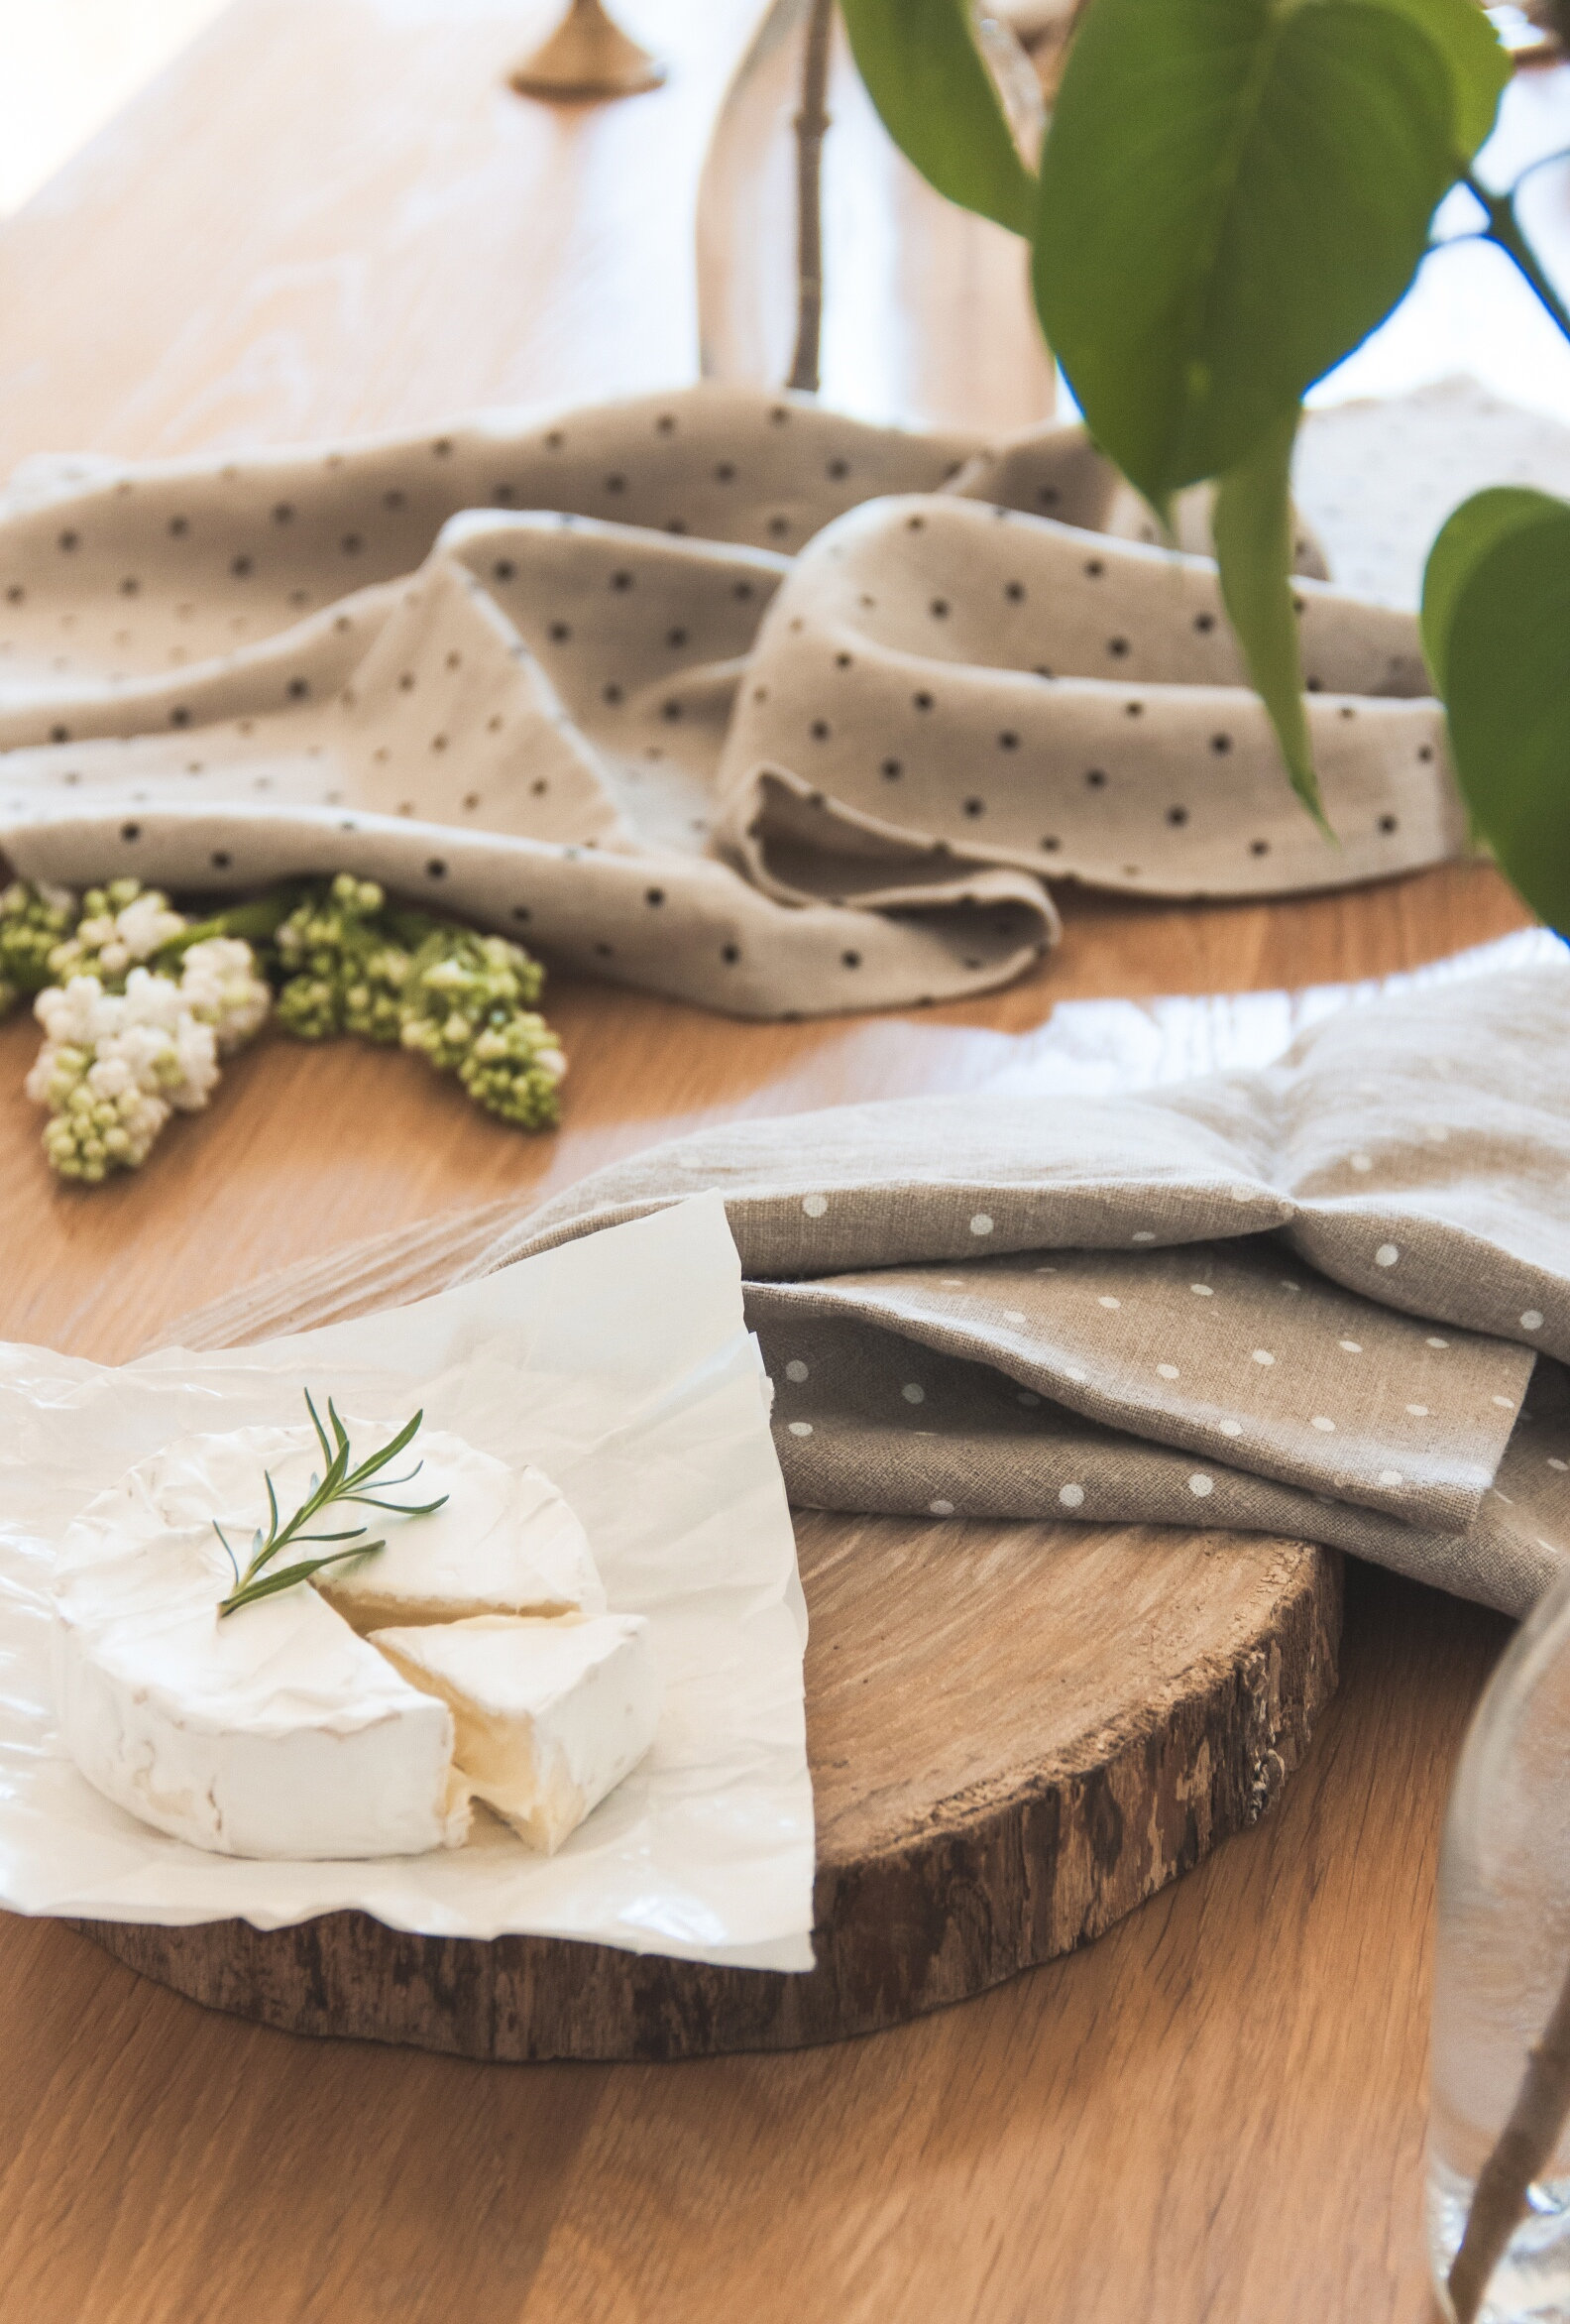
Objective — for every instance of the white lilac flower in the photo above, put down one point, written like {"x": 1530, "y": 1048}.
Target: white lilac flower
{"x": 220, "y": 987}
{"x": 122, "y": 925}
{"x": 148, "y": 923}
{"x": 114, "y": 1066}
{"x": 109, "y": 1071}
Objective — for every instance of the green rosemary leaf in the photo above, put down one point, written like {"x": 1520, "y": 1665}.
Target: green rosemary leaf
{"x": 322, "y": 1432}
{"x": 398, "y": 1508}
{"x": 335, "y": 1488}
{"x": 270, "y": 1583}
{"x": 389, "y": 1452}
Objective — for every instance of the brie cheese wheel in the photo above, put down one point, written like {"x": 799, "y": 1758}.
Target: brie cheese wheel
{"x": 275, "y": 1731}
{"x": 505, "y": 1542}
{"x": 550, "y": 1716}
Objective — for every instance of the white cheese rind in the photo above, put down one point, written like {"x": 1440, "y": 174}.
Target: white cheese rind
{"x": 506, "y": 1541}
{"x": 550, "y": 1716}
{"x": 276, "y": 1732}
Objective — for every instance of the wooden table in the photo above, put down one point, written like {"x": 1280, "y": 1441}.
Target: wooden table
{"x": 329, "y": 216}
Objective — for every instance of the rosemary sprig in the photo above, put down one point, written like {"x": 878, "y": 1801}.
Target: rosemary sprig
{"x": 340, "y": 1483}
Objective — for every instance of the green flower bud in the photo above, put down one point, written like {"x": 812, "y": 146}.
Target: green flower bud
{"x": 32, "y": 921}
{"x": 345, "y": 976}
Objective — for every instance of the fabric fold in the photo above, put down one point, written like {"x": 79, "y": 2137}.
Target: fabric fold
{"x": 1330, "y": 1296}
{"x": 1000, "y": 687}
{"x": 517, "y": 665}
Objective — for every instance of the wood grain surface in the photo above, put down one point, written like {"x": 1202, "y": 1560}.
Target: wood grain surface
{"x": 1017, "y": 1733}
{"x": 1214, "y": 2113}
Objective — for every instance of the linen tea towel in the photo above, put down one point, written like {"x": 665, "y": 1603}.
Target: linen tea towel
{"x": 518, "y": 666}
{"x": 1328, "y": 1298}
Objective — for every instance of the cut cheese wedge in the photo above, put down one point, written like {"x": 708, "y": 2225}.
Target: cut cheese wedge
{"x": 276, "y": 1732}
{"x": 505, "y": 1543}
{"x": 549, "y": 1715}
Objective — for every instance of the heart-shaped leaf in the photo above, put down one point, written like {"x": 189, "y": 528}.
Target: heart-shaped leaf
{"x": 1496, "y": 616}
{"x": 923, "y": 73}
{"x": 1233, "y": 194}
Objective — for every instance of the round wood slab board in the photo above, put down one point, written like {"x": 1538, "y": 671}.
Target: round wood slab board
{"x": 1017, "y": 1733}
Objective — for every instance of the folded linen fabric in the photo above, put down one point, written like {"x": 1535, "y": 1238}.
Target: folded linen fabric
{"x": 518, "y": 664}
{"x": 1330, "y": 1297}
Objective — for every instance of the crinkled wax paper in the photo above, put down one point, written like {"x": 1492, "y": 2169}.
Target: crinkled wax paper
{"x": 620, "y": 1365}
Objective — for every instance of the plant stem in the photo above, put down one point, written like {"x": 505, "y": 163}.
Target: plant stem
{"x": 1524, "y": 2149}
{"x": 255, "y": 922}
{"x": 1504, "y": 231}
{"x": 812, "y": 124}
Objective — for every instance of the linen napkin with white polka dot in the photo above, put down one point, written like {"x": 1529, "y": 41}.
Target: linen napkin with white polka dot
{"x": 714, "y": 693}
{"x": 1329, "y": 1298}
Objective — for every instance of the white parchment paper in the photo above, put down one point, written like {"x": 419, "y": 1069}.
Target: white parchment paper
{"x": 621, "y": 1367}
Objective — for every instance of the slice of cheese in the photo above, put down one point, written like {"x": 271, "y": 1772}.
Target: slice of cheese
{"x": 506, "y": 1541}
{"x": 550, "y": 1716}
{"x": 273, "y": 1732}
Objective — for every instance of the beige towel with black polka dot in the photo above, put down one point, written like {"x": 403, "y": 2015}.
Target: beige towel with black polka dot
{"x": 713, "y": 693}
{"x": 1329, "y": 1298}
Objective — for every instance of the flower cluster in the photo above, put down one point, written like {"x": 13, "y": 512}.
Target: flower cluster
{"x": 139, "y": 1004}
{"x": 33, "y": 922}
{"x": 344, "y": 970}
{"x": 465, "y": 1008}
{"x": 461, "y": 1001}
{"x": 120, "y": 928}
{"x": 116, "y": 1065}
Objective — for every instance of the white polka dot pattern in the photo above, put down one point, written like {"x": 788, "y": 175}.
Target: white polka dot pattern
{"x": 1004, "y": 1454}
{"x": 1065, "y": 1370}
{"x": 1091, "y": 1347}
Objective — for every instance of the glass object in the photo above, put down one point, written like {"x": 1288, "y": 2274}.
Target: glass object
{"x": 826, "y": 261}
{"x": 1498, "y": 2159}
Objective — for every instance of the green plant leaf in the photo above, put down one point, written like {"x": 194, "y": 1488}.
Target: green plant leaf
{"x": 923, "y": 73}
{"x": 1479, "y": 65}
{"x": 1496, "y": 614}
{"x": 1469, "y": 533}
{"x": 1251, "y": 525}
{"x": 1233, "y": 194}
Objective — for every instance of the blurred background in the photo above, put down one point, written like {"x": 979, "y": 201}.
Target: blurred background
{"x": 70, "y": 66}
{"x": 291, "y": 185}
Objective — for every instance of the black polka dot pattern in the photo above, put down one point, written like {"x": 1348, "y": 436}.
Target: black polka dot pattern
{"x": 919, "y": 624}
{"x": 711, "y": 715}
